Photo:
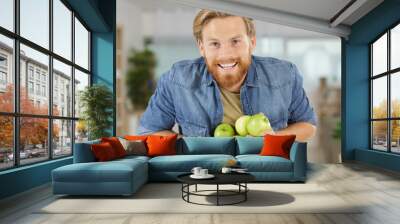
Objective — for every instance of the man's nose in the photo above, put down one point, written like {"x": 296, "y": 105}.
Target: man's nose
{"x": 226, "y": 51}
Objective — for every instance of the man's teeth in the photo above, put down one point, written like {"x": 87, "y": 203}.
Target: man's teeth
{"x": 231, "y": 65}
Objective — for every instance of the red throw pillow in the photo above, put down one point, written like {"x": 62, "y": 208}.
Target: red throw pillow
{"x": 116, "y": 145}
{"x": 277, "y": 145}
{"x": 103, "y": 151}
{"x": 161, "y": 145}
{"x": 136, "y": 137}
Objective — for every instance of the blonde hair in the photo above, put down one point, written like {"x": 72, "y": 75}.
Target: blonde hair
{"x": 204, "y": 16}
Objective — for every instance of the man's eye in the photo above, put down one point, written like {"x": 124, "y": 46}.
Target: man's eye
{"x": 214, "y": 44}
{"x": 236, "y": 41}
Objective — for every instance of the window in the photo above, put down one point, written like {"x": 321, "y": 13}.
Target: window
{"x": 385, "y": 95}
{"x": 3, "y": 78}
{"x": 37, "y": 74}
{"x": 54, "y": 125}
{"x": 3, "y": 72}
{"x": 7, "y": 14}
{"x": 43, "y": 77}
{"x": 44, "y": 91}
{"x": 30, "y": 72}
{"x": 38, "y": 89}
{"x": 81, "y": 45}
{"x": 6, "y": 74}
{"x": 30, "y": 87}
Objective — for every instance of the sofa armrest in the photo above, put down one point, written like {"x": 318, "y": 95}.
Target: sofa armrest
{"x": 298, "y": 155}
{"x": 83, "y": 152}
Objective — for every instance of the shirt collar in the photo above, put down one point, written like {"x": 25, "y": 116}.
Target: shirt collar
{"x": 251, "y": 77}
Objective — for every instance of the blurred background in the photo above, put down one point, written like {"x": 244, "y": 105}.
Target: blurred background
{"x": 154, "y": 34}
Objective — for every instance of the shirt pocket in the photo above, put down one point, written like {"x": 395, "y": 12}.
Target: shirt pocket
{"x": 193, "y": 129}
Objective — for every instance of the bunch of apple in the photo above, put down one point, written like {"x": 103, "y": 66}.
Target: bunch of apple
{"x": 254, "y": 125}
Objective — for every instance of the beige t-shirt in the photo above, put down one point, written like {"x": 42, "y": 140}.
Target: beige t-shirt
{"x": 232, "y": 106}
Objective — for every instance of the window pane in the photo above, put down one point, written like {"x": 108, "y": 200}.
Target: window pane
{"x": 395, "y": 138}
{"x": 62, "y": 138}
{"x": 379, "y": 55}
{"x": 379, "y": 135}
{"x": 62, "y": 29}
{"x": 379, "y": 97}
{"x": 81, "y": 131}
{"x": 7, "y": 14}
{"x": 33, "y": 139}
{"x": 395, "y": 94}
{"x": 35, "y": 21}
{"x": 81, "y": 81}
{"x": 6, "y": 74}
{"x": 6, "y": 142}
{"x": 395, "y": 47}
{"x": 34, "y": 72}
{"x": 81, "y": 45}
{"x": 62, "y": 89}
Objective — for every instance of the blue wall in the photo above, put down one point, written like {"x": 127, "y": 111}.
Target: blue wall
{"x": 355, "y": 65}
{"x": 100, "y": 17}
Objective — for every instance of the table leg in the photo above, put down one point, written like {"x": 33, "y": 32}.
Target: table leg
{"x": 217, "y": 194}
{"x": 245, "y": 191}
{"x": 196, "y": 188}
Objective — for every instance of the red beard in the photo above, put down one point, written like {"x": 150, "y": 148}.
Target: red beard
{"x": 227, "y": 79}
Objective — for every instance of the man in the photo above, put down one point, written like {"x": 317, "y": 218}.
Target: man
{"x": 227, "y": 82}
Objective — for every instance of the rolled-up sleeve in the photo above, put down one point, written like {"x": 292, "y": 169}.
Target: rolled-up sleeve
{"x": 300, "y": 109}
{"x": 160, "y": 113}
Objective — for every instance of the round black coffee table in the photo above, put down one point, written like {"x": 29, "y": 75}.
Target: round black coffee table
{"x": 238, "y": 179}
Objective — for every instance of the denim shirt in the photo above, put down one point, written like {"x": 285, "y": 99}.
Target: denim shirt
{"x": 188, "y": 95}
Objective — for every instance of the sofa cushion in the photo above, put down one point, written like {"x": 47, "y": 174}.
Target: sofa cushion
{"x": 111, "y": 171}
{"x": 277, "y": 145}
{"x": 257, "y": 163}
{"x": 116, "y": 145}
{"x": 161, "y": 145}
{"x": 103, "y": 151}
{"x": 249, "y": 145}
{"x": 185, "y": 163}
{"x": 206, "y": 145}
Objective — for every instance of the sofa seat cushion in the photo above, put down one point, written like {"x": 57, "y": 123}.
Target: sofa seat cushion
{"x": 185, "y": 163}
{"x": 111, "y": 171}
{"x": 257, "y": 163}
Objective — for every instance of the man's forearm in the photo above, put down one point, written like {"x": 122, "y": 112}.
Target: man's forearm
{"x": 303, "y": 131}
{"x": 165, "y": 133}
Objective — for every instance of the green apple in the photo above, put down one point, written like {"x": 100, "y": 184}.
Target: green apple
{"x": 241, "y": 125}
{"x": 224, "y": 130}
{"x": 258, "y": 124}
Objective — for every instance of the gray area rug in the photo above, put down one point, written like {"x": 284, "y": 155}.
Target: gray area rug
{"x": 166, "y": 198}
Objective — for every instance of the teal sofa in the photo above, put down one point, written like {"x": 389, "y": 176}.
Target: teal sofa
{"x": 125, "y": 176}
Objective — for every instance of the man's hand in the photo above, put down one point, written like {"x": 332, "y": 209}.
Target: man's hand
{"x": 304, "y": 131}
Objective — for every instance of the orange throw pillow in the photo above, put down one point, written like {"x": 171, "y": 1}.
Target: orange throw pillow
{"x": 277, "y": 145}
{"x": 136, "y": 137}
{"x": 161, "y": 145}
{"x": 103, "y": 151}
{"x": 116, "y": 145}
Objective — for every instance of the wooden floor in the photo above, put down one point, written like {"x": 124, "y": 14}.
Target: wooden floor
{"x": 378, "y": 188}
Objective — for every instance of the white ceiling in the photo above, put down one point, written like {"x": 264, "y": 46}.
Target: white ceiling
{"x": 313, "y": 15}
{"x": 310, "y": 15}
{"x": 320, "y": 9}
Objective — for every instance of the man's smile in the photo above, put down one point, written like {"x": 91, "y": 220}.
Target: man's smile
{"x": 228, "y": 66}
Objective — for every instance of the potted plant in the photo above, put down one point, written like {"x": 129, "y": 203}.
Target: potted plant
{"x": 140, "y": 76}
{"x": 96, "y": 102}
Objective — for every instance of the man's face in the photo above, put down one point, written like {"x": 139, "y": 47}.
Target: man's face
{"x": 227, "y": 49}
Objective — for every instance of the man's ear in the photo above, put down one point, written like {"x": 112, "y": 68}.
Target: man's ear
{"x": 201, "y": 47}
{"x": 253, "y": 42}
